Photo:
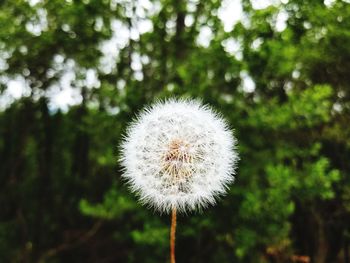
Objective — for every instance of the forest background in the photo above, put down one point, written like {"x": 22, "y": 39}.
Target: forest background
{"x": 73, "y": 73}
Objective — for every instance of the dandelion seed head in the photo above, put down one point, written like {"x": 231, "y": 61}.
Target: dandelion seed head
{"x": 178, "y": 154}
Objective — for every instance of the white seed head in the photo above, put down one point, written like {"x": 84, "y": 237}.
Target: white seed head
{"x": 178, "y": 154}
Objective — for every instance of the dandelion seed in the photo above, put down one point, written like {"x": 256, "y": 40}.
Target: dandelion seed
{"x": 178, "y": 155}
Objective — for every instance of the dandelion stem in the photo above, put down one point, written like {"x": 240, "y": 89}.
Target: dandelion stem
{"x": 172, "y": 235}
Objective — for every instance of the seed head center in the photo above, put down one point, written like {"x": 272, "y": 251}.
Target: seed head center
{"x": 177, "y": 160}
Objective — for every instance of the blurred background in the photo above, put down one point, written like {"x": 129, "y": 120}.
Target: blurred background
{"x": 73, "y": 73}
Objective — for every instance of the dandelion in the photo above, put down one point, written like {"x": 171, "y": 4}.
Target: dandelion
{"x": 178, "y": 155}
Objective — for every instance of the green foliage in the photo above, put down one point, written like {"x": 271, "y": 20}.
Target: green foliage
{"x": 305, "y": 108}
{"x": 113, "y": 206}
